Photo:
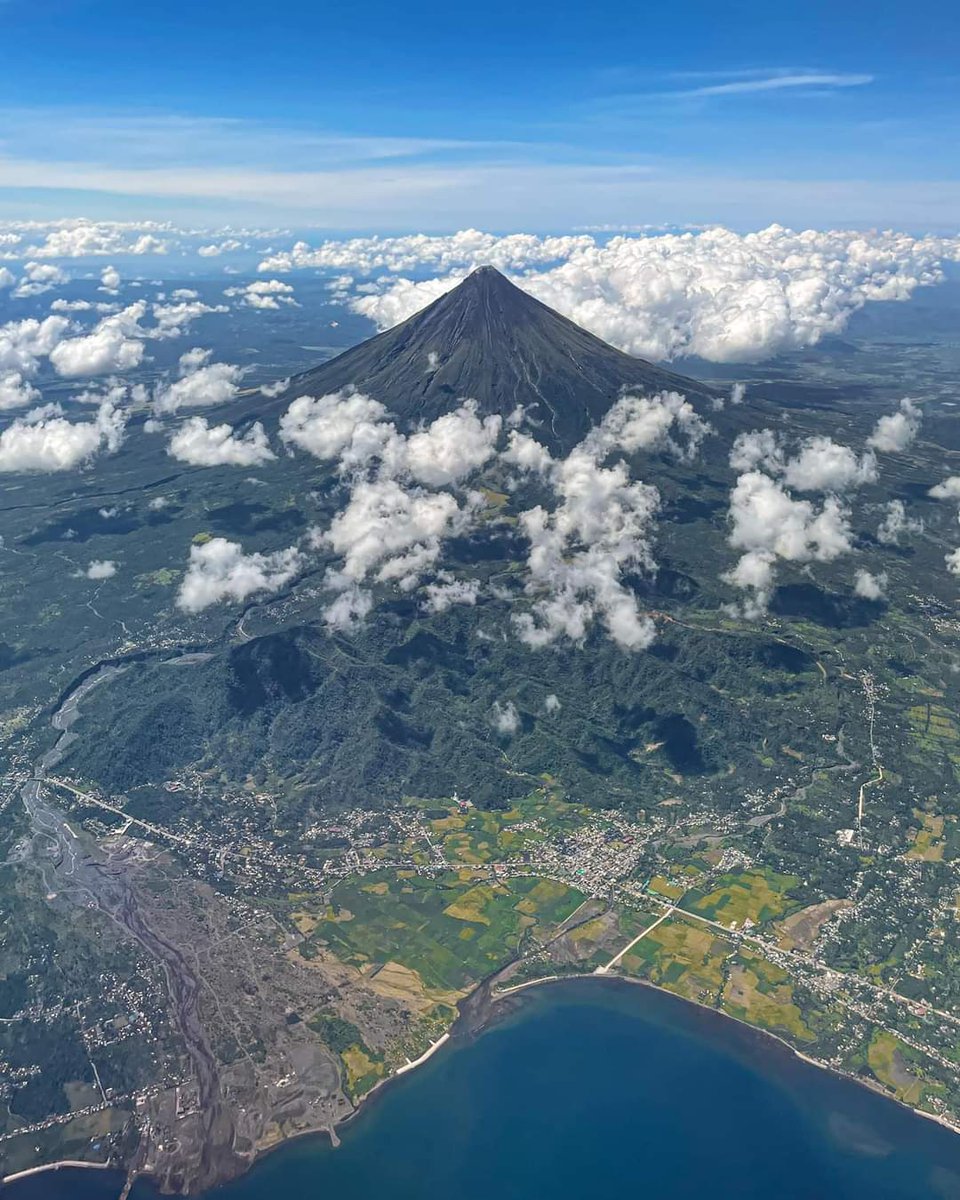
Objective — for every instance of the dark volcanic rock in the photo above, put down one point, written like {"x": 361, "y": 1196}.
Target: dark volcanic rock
{"x": 490, "y": 341}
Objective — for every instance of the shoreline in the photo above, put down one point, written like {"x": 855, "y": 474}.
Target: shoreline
{"x": 449, "y": 1038}
{"x": 873, "y": 1086}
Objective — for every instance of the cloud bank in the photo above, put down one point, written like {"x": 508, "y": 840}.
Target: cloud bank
{"x": 720, "y": 295}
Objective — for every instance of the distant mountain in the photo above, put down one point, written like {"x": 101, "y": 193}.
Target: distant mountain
{"x": 489, "y": 340}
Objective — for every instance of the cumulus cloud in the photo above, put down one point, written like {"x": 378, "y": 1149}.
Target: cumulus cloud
{"x": 527, "y": 453}
{"x": 401, "y": 506}
{"x": 723, "y": 296}
{"x": 276, "y": 388}
{"x": 110, "y": 280}
{"x": 949, "y": 489}
{"x": 24, "y": 343}
{"x": 391, "y": 532}
{"x": 645, "y": 423}
{"x": 215, "y": 249}
{"x": 953, "y": 561}
{"x": 819, "y": 465}
{"x": 7, "y": 278}
{"x": 451, "y": 447}
{"x": 39, "y": 278}
{"x": 45, "y": 441}
{"x": 203, "y": 445}
{"x": 896, "y": 523}
{"x": 413, "y": 252}
{"x": 768, "y": 523}
{"x": 552, "y": 704}
{"x": 79, "y": 238}
{"x": 15, "y": 391}
{"x": 326, "y": 426}
{"x": 346, "y": 613}
{"x": 823, "y": 465}
{"x": 219, "y": 570}
{"x": 174, "y": 319}
{"x": 505, "y": 718}
{"x": 101, "y": 569}
{"x": 600, "y": 528}
{"x": 896, "y": 432}
{"x": 264, "y": 293}
{"x": 201, "y": 383}
{"x": 869, "y": 586}
{"x": 113, "y": 345}
{"x": 447, "y": 591}
{"x": 351, "y": 427}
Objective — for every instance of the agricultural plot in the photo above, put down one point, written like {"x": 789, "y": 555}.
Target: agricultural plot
{"x": 449, "y": 930}
{"x": 681, "y": 957}
{"x": 755, "y": 896}
{"x": 761, "y": 993}
{"x": 896, "y": 1065}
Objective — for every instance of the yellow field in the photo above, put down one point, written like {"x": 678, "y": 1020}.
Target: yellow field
{"x": 771, "y": 1008}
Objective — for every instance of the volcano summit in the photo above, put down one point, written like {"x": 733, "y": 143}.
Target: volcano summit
{"x": 489, "y": 340}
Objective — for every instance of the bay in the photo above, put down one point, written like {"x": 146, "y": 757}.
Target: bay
{"x": 591, "y": 1087}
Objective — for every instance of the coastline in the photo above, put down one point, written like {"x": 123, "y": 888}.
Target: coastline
{"x": 860, "y": 1080}
{"x": 496, "y": 1012}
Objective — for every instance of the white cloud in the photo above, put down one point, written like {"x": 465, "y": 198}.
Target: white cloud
{"x": 505, "y": 718}
{"x": 949, "y": 489}
{"x": 215, "y": 249}
{"x": 391, "y": 532}
{"x": 44, "y": 441}
{"x": 24, "y": 343}
{"x": 264, "y": 293}
{"x": 276, "y": 388}
{"x": 600, "y": 528}
{"x": 346, "y": 613}
{"x": 896, "y": 432}
{"x": 552, "y": 703}
{"x": 78, "y": 238}
{"x": 412, "y": 252}
{"x": 868, "y": 586}
{"x": 645, "y": 422}
{"x": 448, "y": 591}
{"x": 15, "y": 391}
{"x": 203, "y": 445}
{"x": 174, "y": 319}
{"x": 39, "y": 278}
{"x": 326, "y": 426}
{"x": 7, "y": 278}
{"x": 101, "y": 569}
{"x": 724, "y": 296}
{"x": 953, "y": 561}
{"x": 112, "y": 345}
{"x": 896, "y": 523}
{"x": 351, "y": 427}
{"x": 110, "y": 280}
{"x": 767, "y": 524}
{"x": 219, "y": 570}
{"x": 451, "y": 447}
{"x": 820, "y": 464}
{"x": 201, "y": 383}
{"x": 776, "y": 82}
{"x": 527, "y": 453}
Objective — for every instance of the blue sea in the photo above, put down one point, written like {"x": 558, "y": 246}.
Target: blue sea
{"x": 595, "y": 1089}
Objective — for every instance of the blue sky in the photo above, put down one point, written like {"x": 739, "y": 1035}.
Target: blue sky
{"x": 431, "y": 116}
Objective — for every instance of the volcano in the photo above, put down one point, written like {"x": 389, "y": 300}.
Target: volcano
{"x": 491, "y": 341}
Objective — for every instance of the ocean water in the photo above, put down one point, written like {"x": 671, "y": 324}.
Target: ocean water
{"x": 593, "y": 1089}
